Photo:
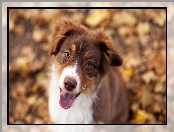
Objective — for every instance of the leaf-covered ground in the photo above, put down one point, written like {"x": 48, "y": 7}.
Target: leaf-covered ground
{"x": 139, "y": 36}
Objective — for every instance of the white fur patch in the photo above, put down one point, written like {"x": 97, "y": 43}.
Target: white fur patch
{"x": 79, "y": 113}
{"x": 70, "y": 72}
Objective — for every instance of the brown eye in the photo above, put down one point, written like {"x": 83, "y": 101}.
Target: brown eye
{"x": 67, "y": 54}
{"x": 88, "y": 64}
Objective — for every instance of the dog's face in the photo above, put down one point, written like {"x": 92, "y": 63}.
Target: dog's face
{"x": 82, "y": 57}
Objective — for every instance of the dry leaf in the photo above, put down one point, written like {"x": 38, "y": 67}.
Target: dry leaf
{"x": 156, "y": 107}
{"x": 128, "y": 72}
{"x": 148, "y": 76}
{"x": 32, "y": 99}
{"x": 96, "y": 17}
{"x": 45, "y": 47}
{"x": 140, "y": 117}
{"x": 146, "y": 97}
{"x": 49, "y": 14}
{"x": 123, "y": 31}
{"x": 39, "y": 35}
{"x": 131, "y": 61}
{"x": 143, "y": 28}
{"x": 35, "y": 66}
{"x": 35, "y": 88}
{"x": 159, "y": 88}
{"x": 40, "y": 77}
{"x": 19, "y": 30}
{"x": 22, "y": 63}
{"x": 123, "y": 18}
{"x": 160, "y": 19}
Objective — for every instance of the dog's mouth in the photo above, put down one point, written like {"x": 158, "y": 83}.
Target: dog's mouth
{"x": 67, "y": 99}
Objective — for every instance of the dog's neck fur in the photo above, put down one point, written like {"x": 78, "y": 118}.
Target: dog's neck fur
{"x": 80, "y": 113}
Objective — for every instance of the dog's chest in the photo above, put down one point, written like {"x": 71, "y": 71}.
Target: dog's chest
{"x": 80, "y": 112}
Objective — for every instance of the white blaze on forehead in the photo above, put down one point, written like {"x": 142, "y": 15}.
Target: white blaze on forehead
{"x": 70, "y": 71}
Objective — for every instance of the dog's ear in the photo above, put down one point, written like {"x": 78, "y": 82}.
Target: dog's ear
{"x": 105, "y": 43}
{"x": 60, "y": 33}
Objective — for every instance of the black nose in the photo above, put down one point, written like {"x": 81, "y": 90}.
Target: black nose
{"x": 69, "y": 84}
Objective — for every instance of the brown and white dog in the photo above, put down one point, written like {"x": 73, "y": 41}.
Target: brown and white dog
{"x": 86, "y": 86}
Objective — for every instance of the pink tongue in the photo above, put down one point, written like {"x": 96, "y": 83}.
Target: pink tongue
{"x": 66, "y": 99}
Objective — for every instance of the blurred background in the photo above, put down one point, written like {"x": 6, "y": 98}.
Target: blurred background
{"x": 139, "y": 36}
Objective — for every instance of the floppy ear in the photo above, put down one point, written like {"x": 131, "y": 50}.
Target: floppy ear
{"x": 61, "y": 31}
{"x": 109, "y": 53}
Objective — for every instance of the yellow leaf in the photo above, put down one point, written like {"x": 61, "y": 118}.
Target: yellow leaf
{"x": 143, "y": 28}
{"x": 40, "y": 77}
{"x": 45, "y": 47}
{"x": 39, "y": 35}
{"x": 128, "y": 72}
{"x": 160, "y": 19}
{"x": 140, "y": 117}
{"x": 96, "y": 17}
{"x": 32, "y": 100}
{"x": 123, "y": 31}
{"x": 123, "y": 18}
{"x": 21, "y": 62}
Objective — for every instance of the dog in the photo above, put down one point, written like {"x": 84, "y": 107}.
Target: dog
{"x": 86, "y": 86}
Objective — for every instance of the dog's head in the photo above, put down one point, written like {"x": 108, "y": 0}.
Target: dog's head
{"x": 82, "y": 57}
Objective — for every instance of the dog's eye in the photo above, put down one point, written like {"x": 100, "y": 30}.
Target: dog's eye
{"x": 88, "y": 64}
{"x": 67, "y": 54}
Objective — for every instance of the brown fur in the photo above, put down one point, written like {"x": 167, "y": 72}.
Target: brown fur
{"x": 112, "y": 108}
{"x": 95, "y": 57}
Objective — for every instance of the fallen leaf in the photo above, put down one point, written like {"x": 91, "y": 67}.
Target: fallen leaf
{"x": 131, "y": 61}
{"x": 160, "y": 19}
{"x": 148, "y": 76}
{"x": 29, "y": 119}
{"x": 22, "y": 63}
{"x": 140, "y": 117}
{"x": 156, "y": 107}
{"x": 19, "y": 30}
{"x": 123, "y": 31}
{"x": 32, "y": 99}
{"x": 49, "y": 14}
{"x": 123, "y": 18}
{"x": 134, "y": 107}
{"x": 39, "y": 35}
{"x": 128, "y": 72}
{"x": 144, "y": 39}
{"x": 159, "y": 88}
{"x": 21, "y": 110}
{"x": 96, "y": 17}
{"x": 28, "y": 53}
{"x": 35, "y": 66}
{"x": 143, "y": 28}
{"x": 35, "y": 88}
{"x": 45, "y": 47}
{"x": 40, "y": 78}
{"x": 146, "y": 97}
